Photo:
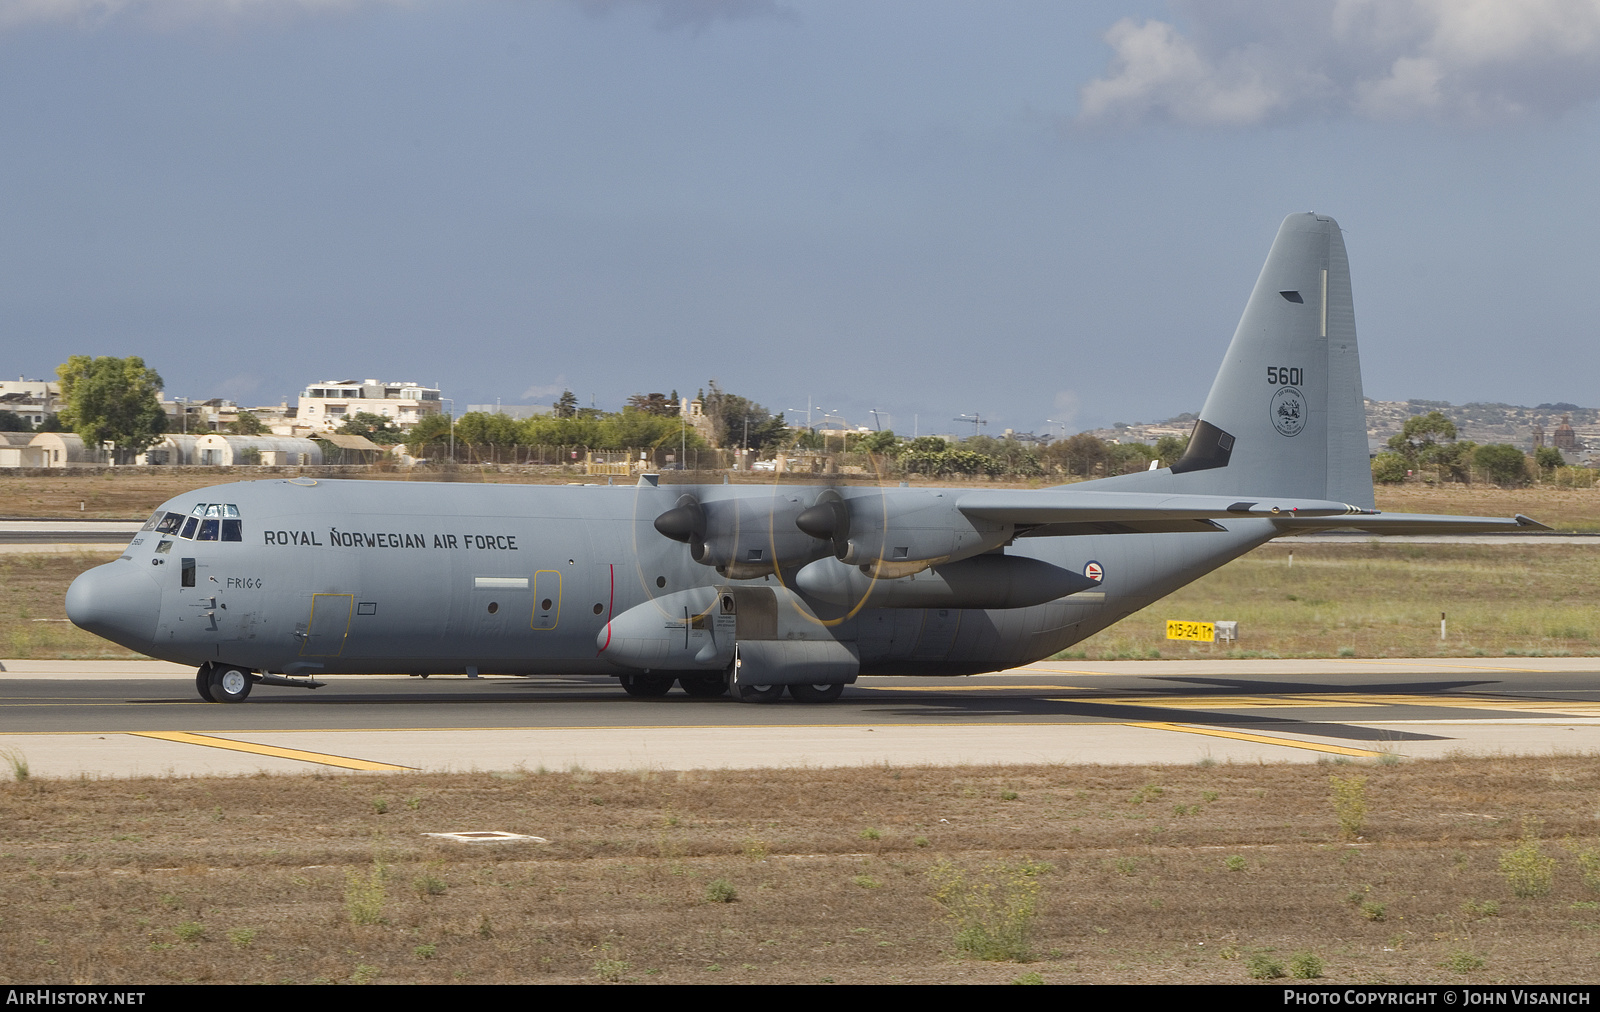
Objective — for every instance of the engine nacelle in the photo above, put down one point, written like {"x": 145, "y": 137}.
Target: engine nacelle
{"x": 986, "y": 581}
{"x": 743, "y": 538}
{"x": 896, "y": 532}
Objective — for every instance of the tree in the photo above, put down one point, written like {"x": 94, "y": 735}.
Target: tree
{"x": 429, "y": 429}
{"x": 1170, "y": 448}
{"x": 112, "y": 400}
{"x": 374, "y": 427}
{"x": 1389, "y": 468}
{"x": 1547, "y": 459}
{"x": 247, "y": 424}
{"x": 1502, "y": 463}
{"x": 567, "y": 406}
{"x": 654, "y": 404}
{"x": 10, "y": 421}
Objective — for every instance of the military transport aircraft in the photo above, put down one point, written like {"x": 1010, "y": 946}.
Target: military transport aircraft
{"x": 754, "y": 590}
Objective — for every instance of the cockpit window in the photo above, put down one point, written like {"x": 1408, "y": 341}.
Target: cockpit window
{"x": 155, "y": 518}
{"x": 169, "y": 523}
{"x": 208, "y": 521}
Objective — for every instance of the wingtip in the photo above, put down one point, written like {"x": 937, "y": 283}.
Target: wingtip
{"x": 1525, "y": 521}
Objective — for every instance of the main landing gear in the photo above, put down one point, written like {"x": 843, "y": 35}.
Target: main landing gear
{"x": 710, "y": 685}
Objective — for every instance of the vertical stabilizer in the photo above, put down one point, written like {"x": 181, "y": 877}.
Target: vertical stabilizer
{"x": 1286, "y": 414}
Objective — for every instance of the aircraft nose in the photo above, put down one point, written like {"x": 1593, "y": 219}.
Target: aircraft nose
{"x": 117, "y": 601}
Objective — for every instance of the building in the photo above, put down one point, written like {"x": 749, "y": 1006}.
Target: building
{"x": 517, "y": 411}
{"x": 325, "y": 406}
{"x": 32, "y": 400}
{"x": 220, "y": 449}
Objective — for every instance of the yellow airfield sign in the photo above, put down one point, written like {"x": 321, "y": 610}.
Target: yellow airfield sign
{"x": 1202, "y": 632}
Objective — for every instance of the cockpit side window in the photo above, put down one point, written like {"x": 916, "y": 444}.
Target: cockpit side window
{"x": 189, "y": 527}
{"x": 169, "y": 523}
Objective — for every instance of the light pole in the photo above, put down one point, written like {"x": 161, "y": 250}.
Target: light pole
{"x": 452, "y": 401}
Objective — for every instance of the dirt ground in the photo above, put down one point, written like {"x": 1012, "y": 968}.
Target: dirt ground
{"x": 1461, "y": 870}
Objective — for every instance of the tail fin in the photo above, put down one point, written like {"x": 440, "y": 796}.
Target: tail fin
{"x": 1286, "y": 415}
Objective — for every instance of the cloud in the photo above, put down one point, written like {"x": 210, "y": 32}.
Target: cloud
{"x": 697, "y": 15}
{"x": 1261, "y": 61}
{"x": 94, "y": 13}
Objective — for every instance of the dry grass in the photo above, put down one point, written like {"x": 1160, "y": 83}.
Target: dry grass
{"x": 1156, "y": 875}
{"x": 33, "y": 614}
{"x": 1380, "y": 599}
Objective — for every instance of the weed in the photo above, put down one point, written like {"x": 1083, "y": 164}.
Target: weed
{"x": 1305, "y": 966}
{"x": 242, "y": 937}
{"x": 1350, "y": 804}
{"x": 871, "y": 834}
{"x": 993, "y": 911}
{"x": 428, "y": 885}
{"x": 363, "y": 974}
{"x": 1388, "y": 759}
{"x": 425, "y": 951}
{"x": 921, "y": 841}
{"x": 1030, "y": 978}
{"x": 1205, "y": 762}
{"x": 867, "y": 882}
{"x": 1589, "y": 867}
{"x": 1525, "y": 867}
{"x": 1347, "y": 651}
{"x": 485, "y": 928}
{"x": 190, "y": 931}
{"x": 380, "y": 806}
{"x": 1477, "y": 911}
{"x": 1263, "y": 967}
{"x": 1235, "y": 862}
{"x": 755, "y": 850}
{"x": 1374, "y": 911}
{"x": 1149, "y": 792}
{"x": 1463, "y": 962}
{"x": 364, "y": 895}
{"x": 1009, "y": 795}
{"x": 18, "y": 763}
{"x": 1209, "y": 796}
{"x": 412, "y": 804}
{"x": 1126, "y": 865}
{"x": 721, "y": 891}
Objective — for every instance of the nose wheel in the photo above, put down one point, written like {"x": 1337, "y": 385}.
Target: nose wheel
{"x": 223, "y": 683}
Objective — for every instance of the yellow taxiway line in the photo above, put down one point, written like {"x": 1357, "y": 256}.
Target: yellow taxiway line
{"x": 1259, "y": 739}
{"x": 343, "y": 762}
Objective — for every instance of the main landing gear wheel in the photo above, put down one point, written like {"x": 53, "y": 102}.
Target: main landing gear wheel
{"x": 754, "y": 693}
{"x": 704, "y": 685}
{"x": 202, "y": 683}
{"x": 816, "y": 693}
{"x": 230, "y": 684}
{"x": 649, "y": 686}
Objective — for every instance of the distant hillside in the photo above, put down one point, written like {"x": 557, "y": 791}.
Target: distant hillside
{"x": 1479, "y": 422}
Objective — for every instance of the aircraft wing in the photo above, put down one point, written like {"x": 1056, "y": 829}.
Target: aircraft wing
{"x": 1411, "y": 523}
{"x": 1053, "y": 513}
{"x": 1058, "y": 513}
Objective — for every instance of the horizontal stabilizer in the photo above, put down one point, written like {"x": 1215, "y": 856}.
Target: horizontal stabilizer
{"x": 1411, "y": 523}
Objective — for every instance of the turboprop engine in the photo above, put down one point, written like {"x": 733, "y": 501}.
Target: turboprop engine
{"x": 897, "y": 532}
{"x": 742, "y": 539}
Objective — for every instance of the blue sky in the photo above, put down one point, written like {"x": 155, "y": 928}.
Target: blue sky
{"x": 1029, "y": 210}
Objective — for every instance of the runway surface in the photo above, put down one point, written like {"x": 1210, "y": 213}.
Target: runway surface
{"x": 141, "y": 718}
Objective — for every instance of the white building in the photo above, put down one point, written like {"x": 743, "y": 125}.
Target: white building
{"x": 325, "y": 406}
{"x": 30, "y": 399}
{"x": 219, "y": 449}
